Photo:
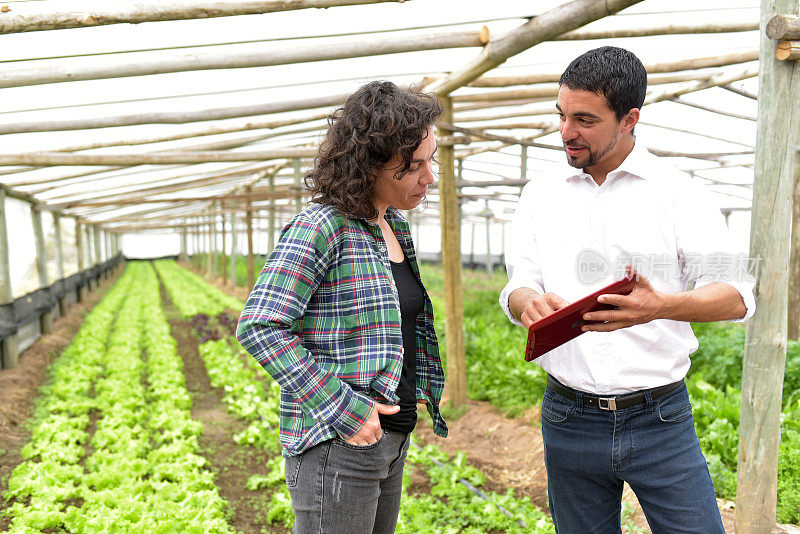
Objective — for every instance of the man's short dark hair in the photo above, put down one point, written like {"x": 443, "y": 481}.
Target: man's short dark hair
{"x": 613, "y": 72}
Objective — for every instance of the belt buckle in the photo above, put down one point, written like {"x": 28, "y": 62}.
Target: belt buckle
{"x": 607, "y": 403}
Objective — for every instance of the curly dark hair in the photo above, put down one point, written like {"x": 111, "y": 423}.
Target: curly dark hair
{"x": 376, "y": 123}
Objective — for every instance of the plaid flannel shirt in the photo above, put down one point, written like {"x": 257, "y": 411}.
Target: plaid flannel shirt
{"x": 324, "y": 321}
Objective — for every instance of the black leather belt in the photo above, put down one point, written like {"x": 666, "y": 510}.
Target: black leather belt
{"x": 616, "y": 402}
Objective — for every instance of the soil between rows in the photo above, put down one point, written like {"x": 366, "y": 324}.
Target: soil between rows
{"x": 232, "y": 464}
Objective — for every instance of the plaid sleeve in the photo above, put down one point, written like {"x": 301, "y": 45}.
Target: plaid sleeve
{"x": 291, "y": 275}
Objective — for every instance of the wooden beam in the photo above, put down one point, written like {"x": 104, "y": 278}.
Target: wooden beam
{"x": 237, "y": 126}
{"x": 143, "y": 193}
{"x": 672, "y": 66}
{"x": 549, "y": 90}
{"x": 788, "y": 51}
{"x": 53, "y": 15}
{"x": 765, "y": 342}
{"x": 451, "y": 260}
{"x": 10, "y": 343}
{"x": 541, "y": 28}
{"x": 670, "y": 29}
{"x": 161, "y": 158}
{"x": 716, "y": 81}
{"x": 173, "y": 117}
{"x": 712, "y": 110}
{"x": 126, "y": 64}
{"x": 783, "y": 27}
{"x": 740, "y": 92}
{"x": 511, "y": 140}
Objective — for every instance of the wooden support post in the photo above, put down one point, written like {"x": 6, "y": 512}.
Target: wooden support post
{"x": 472, "y": 245}
{"x": 80, "y": 245}
{"x": 46, "y": 318}
{"x": 451, "y": 260}
{"x": 503, "y": 243}
{"x": 10, "y": 343}
{"x": 251, "y": 261}
{"x": 234, "y": 279}
{"x": 794, "y": 256}
{"x": 184, "y": 243}
{"x": 272, "y": 208}
{"x": 223, "y": 255}
{"x": 765, "y": 344}
{"x": 523, "y": 162}
{"x": 97, "y": 251}
{"x": 62, "y": 302}
{"x": 210, "y": 258}
{"x": 197, "y": 259}
{"x": 298, "y": 183}
{"x": 488, "y": 214}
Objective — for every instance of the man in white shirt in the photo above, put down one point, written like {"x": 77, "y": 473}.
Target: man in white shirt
{"x": 616, "y": 407}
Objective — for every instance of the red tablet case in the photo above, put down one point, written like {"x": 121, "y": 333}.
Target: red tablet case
{"x": 565, "y": 324}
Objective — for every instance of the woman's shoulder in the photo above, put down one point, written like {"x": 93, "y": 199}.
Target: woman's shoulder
{"x": 329, "y": 220}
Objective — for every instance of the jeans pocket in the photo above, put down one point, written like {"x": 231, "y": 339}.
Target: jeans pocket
{"x": 554, "y": 411}
{"x": 674, "y": 412}
{"x": 343, "y": 443}
{"x": 292, "y": 468}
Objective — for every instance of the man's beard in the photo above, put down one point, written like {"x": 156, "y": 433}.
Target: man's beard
{"x": 592, "y": 158}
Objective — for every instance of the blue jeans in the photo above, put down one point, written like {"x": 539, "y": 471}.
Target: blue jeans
{"x": 338, "y": 487}
{"x": 652, "y": 446}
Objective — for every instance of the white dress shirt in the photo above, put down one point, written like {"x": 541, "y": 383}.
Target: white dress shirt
{"x": 571, "y": 237}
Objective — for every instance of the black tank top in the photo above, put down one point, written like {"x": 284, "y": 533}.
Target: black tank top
{"x": 412, "y": 301}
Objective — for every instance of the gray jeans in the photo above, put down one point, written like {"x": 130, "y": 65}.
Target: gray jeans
{"x": 338, "y": 487}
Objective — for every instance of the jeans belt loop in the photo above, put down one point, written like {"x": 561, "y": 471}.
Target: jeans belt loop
{"x": 607, "y": 403}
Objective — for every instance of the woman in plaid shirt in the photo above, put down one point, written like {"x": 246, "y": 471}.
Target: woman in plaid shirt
{"x": 340, "y": 319}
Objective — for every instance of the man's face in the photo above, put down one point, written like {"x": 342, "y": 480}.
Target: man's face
{"x": 589, "y": 128}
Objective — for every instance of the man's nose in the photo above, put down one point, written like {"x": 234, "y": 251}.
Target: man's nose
{"x": 568, "y": 131}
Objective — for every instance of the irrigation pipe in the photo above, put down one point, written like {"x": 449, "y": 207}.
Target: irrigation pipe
{"x": 476, "y": 491}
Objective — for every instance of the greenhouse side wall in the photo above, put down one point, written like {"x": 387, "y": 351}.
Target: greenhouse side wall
{"x": 22, "y": 317}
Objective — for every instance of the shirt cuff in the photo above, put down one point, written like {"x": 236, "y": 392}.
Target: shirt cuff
{"x": 354, "y": 411}
{"x": 512, "y": 286}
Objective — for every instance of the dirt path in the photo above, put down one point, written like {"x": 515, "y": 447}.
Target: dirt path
{"x": 232, "y": 464}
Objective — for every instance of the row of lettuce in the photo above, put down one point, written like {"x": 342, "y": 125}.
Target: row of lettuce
{"x": 113, "y": 447}
{"x": 252, "y": 396}
{"x": 495, "y": 369}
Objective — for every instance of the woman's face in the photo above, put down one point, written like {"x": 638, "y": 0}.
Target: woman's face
{"x": 407, "y": 192}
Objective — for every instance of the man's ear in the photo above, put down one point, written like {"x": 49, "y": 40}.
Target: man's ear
{"x": 630, "y": 120}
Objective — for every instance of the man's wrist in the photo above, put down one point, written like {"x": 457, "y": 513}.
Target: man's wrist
{"x": 671, "y": 305}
